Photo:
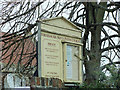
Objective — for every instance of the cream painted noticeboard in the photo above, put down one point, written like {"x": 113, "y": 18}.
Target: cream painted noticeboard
{"x": 60, "y": 51}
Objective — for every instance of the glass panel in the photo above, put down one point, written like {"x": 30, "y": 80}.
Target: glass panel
{"x": 72, "y": 63}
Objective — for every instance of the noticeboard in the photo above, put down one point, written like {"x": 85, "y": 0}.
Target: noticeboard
{"x": 58, "y": 58}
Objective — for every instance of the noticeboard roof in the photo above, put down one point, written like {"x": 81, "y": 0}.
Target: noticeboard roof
{"x": 58, "y": 24}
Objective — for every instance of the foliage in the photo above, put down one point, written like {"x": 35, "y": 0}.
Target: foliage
{"x": 110, "y": 81}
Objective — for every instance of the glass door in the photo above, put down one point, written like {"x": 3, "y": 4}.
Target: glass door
{"x": 72, "y": 62}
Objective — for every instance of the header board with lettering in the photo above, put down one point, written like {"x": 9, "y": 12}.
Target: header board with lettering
{"x": 60, "y": 49}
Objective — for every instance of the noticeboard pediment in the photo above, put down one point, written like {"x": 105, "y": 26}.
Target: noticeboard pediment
{"x": 61, "y": 22}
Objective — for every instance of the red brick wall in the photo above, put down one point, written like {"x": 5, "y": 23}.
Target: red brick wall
{"x": 34, "y": 81}
{"x": 46, "y": 82}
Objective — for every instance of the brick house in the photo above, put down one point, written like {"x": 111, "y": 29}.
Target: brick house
{"x": 13, "y": 54}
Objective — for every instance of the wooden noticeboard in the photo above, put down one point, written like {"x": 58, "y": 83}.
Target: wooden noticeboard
{"x": 60, "y": 42}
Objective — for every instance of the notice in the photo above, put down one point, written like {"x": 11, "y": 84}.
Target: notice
{"x": 69, "y": 62}
{"x": 51, "y": 58}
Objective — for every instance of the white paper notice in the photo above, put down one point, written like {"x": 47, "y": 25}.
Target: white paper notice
{"x": 69, "y": 62}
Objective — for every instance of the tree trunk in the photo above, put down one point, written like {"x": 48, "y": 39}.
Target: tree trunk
{"x": 92, "y": 66}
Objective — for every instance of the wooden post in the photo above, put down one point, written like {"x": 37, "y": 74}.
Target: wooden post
{"x": 39, "y": 48}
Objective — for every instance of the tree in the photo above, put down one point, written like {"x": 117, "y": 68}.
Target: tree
{"x": 20, "y": 21}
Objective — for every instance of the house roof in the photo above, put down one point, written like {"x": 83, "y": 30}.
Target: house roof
{"x": 13, "y": 54}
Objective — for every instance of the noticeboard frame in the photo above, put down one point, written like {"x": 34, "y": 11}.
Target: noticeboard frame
{"x": 80, "y": 80}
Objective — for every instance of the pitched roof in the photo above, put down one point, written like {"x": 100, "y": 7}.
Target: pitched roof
{"x": 62, "y": 18}
{"x": 62, "y": 26}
